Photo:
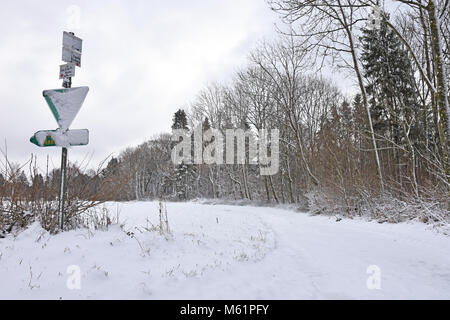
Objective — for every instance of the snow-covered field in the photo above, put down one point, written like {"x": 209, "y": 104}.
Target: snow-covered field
{"x": 227, "y": 252}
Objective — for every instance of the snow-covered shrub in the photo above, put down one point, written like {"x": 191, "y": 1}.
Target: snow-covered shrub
{"x": 385, "y": 208}
{"x": 23, "y": 202}
{"x": 391, "y": 209}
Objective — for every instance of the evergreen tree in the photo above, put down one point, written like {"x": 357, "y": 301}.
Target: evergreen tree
{"x": 205, "y": 125}
{"x": 393, "y": 97}
{"x": 181, "y": 181}
{"x": 179, "y": 120}
{"x": 183, "y": 172}
{"x": 112, "y": 168}
{"x": 391, "y": 87}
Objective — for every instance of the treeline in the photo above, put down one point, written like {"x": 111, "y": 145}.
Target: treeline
{"x": 333, "y": 152}
{"x": 380, "y": 151}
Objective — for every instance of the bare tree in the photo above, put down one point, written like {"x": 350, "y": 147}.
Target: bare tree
{"x": 327, "y": 28}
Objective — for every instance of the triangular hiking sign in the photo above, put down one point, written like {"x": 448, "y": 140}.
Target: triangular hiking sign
{"x": 65, "y": 104}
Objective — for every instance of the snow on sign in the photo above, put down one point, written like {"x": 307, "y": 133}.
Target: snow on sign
{"x": 66, "y": 71}
{"x": 71, "y": 56}
{"x": 59, "y": 138}
{"x": 71, "y": 42}
{"x": 65, "y": 104}
{"x": 72, "y": 48}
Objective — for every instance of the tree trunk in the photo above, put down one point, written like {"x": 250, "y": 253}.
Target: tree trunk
{"x": 441, "y": 90}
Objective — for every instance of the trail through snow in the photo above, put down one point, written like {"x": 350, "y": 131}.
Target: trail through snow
{"x": 228, "y": 252}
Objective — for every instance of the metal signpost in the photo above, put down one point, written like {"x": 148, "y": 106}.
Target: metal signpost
{"x": 64, "y": 105}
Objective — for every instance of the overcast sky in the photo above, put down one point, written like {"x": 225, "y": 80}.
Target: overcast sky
{"x": 141, "y": 59}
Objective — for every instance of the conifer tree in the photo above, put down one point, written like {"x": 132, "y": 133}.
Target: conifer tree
{"x": 391, "y": 89}
{"x": 182, "y": 172}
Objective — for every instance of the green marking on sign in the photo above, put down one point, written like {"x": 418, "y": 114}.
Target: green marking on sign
{"x": 49, "y": 142}
{"x": 61, "y": 90}
{"x": 52, "y": 107}
{"x": 34, "y": 141}
{"x": 51, "y": 104}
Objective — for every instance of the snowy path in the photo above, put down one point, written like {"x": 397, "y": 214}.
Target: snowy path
{"x": 229, "y": 252}
{"x": 319, "y": 258}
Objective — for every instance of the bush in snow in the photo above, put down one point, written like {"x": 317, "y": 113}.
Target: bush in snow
{"x": 24, "y": 199}
{"x": 384, "y": 208}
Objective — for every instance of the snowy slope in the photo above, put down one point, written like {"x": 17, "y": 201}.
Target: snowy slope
{"x": 228, "y": 252}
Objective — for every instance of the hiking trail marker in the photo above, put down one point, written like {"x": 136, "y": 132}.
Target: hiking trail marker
{"x": 64, "y": 105}
{"x": 58, "y": 138}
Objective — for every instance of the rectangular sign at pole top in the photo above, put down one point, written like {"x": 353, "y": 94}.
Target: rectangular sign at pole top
{"x": 71, "y": 42}
{"x": 72, "y": 48}
{"x": 66, "y": 71}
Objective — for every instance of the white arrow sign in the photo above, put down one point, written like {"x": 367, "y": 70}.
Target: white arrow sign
{"x": 58, "y": 138}
{"x": 65, "y": 104}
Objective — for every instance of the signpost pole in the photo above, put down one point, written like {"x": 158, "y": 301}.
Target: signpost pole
{"x": 62, "y": 187}
{"x": 64, "y": 105}
{"x": 67, "y": 83}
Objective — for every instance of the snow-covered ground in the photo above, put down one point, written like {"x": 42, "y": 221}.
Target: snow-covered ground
{"x": 227, "y": 252}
